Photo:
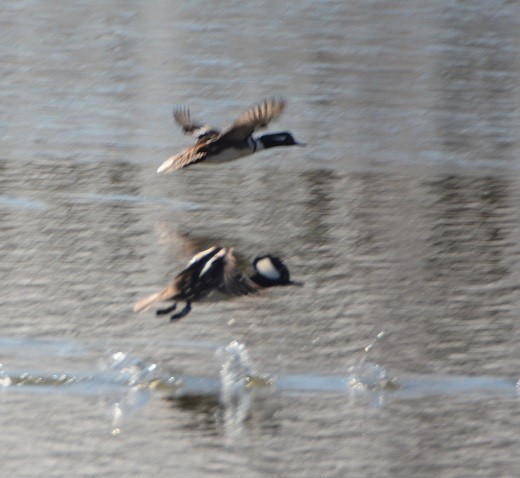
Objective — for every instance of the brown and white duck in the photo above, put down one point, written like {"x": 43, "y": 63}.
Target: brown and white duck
{"x": 234, "y": 142}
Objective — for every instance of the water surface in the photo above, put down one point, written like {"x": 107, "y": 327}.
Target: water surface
{"x": 399, "y": 356}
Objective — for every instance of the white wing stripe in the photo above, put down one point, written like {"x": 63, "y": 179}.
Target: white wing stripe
{"x": 209, "y": 264}
{"x": 200, "y": 255}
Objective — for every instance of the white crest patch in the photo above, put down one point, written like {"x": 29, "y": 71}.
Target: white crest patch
{"x": 266, "y": 268}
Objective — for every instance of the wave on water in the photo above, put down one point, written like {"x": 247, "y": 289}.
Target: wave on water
{"x": 21, "y": 203}
{"x": 127, "y": 198}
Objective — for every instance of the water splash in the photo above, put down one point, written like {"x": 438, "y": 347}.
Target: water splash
{"x": 5, "y": 379}
{"x": 371, "y": 345}
{"x": 117, "y": 414}
{"x": 235, "y": 395}
{"x": 138, "y": 378}
{"x": 368, "y": 376}
{"x": 131, "y": 371}
{"x": 125, "y": 383}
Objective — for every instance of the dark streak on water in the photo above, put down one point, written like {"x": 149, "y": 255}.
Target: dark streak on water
{"x": 401, "y": 216}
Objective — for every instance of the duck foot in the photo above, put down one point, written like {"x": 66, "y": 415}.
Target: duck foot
{"x": 167, "y": 310}
{"x": 182, "y": 313}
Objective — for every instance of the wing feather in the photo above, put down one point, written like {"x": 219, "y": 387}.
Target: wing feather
{"x": 178, "y": 161}
{"x": 256, "y": 117}
{"x": 182, "y": 117}
{"x": 235, "y": 282}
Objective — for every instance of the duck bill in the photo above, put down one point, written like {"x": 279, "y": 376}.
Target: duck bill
{"x": 298, "y": 143}
{"x": 295, "y": 282}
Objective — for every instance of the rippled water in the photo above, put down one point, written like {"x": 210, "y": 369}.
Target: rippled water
{"x": 398, "y": 357}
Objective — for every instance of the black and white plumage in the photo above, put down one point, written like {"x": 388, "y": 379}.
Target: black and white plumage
{"x": 214, "y": 269}
{"x": 234, "y": 142}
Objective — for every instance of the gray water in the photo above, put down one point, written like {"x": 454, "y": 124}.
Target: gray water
{"x": 399, "y": 356}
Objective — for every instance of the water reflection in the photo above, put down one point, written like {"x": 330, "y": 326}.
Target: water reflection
{"x": 319, "y": 204}
{"x": 366, "y": 213}
{"x": 469, "y": 229}
{"x": 467, "y": 267}
{"x": 203, "y": 408}
{"x": 476, "y": 91}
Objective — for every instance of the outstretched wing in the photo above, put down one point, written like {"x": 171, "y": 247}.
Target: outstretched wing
{"x": 182, "y": 117}
{"x": 234, "y": 282}
{"x": 203, "y": 134}
{"x": 256, "y": 117}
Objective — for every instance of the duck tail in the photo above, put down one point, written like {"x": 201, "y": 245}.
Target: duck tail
{"x": 179, "y": 161}
{"x": 168, "y": 293}
{"x": 147, "y": 302}
{"x": 168, "y": 166}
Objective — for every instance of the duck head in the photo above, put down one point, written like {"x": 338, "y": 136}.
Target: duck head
{"x": 271, "y": 271}
{"x": 282, "y": 138}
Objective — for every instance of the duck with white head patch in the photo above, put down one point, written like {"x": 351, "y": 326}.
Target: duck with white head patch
{"x": 214, "y": 269}
{"x": 235, "y": 142}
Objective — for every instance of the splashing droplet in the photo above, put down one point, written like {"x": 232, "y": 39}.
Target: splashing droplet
{"x": 116, "y": 420}
{"x": 235, "y": 395}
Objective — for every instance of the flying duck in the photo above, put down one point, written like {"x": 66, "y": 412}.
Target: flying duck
{"x": 214, "y": 269}
{"x": 232, "y": 143}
